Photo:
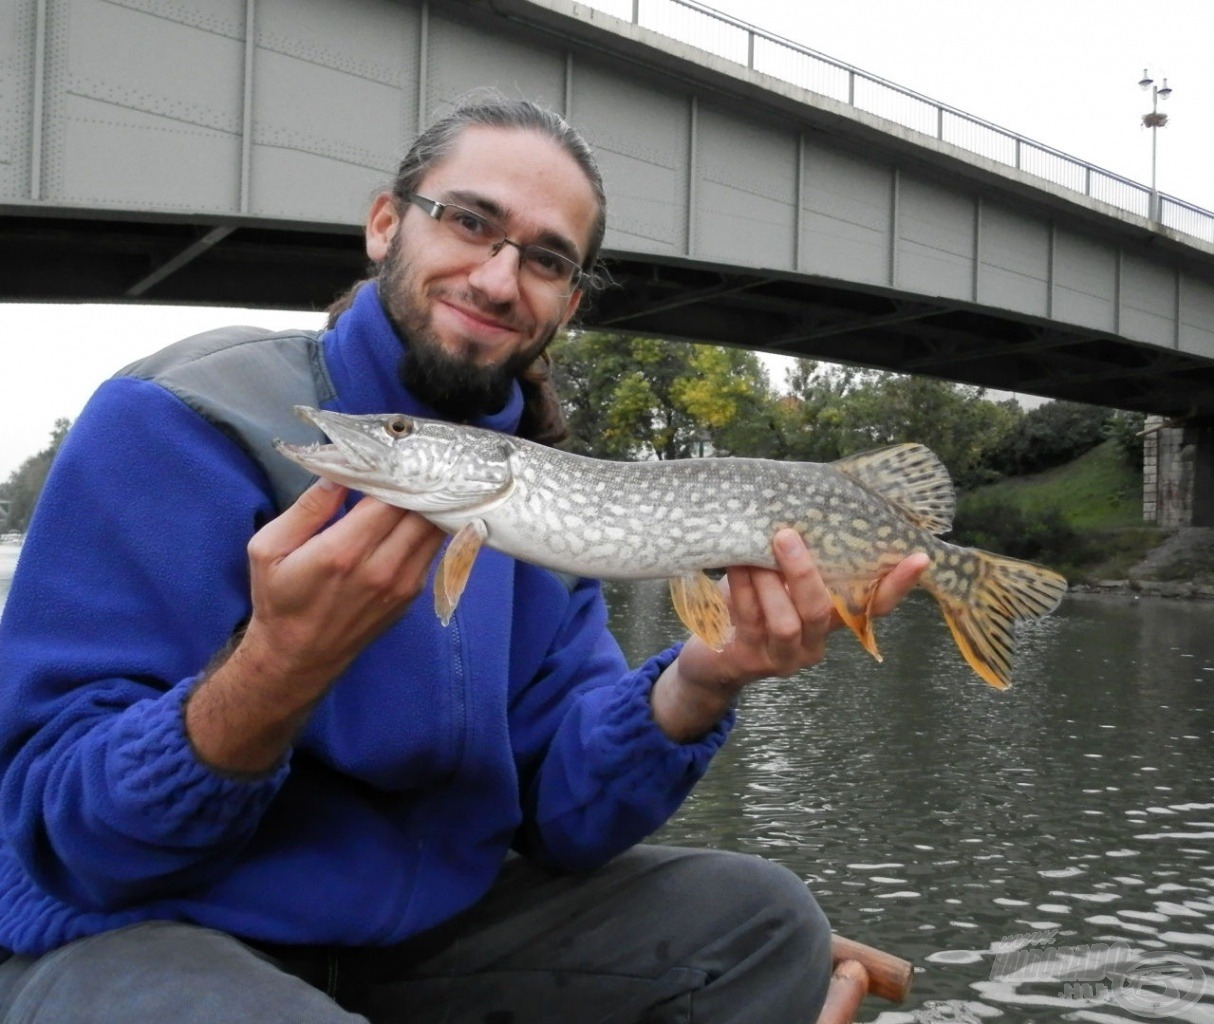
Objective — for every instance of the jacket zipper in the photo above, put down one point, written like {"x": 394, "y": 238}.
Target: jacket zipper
{"x": 459, "y": 708}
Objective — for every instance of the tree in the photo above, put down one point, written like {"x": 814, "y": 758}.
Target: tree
{"x": 638, "y": 397}
{"x": 23, "y": 487}
{"x": 834, "y": 411}
{"x": 1050, "y": 435}
{"x": 1125, "y": 429}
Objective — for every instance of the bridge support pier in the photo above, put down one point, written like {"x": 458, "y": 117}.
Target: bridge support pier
{"x": 1178, "y": 475}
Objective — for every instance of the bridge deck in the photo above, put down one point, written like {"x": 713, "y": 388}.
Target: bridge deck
{"x": 223, "y": 151}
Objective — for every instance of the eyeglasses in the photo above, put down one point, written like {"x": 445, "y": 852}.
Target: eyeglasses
{"x": 553, "y": 270}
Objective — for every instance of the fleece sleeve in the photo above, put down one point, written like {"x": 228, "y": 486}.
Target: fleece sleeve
{"x": 603, "y": 775}
{"x": 132, "y": 577}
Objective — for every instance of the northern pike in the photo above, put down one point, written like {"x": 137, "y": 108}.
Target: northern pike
{"x": 860, "y": 516}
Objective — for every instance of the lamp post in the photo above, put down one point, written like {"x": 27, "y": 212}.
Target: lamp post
{"x": 1154, "y": 120}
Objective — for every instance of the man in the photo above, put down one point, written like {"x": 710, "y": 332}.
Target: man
{"x": 315, "y": 824}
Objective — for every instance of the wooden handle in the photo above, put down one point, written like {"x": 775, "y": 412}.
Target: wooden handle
{"x": 887, "y": 976}
{"x": 848, "y": 987}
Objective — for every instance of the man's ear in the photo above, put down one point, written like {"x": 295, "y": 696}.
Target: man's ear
{"x": 382, "y": 221}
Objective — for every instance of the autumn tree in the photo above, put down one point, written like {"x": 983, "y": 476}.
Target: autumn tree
{"x": 639, "y": 397}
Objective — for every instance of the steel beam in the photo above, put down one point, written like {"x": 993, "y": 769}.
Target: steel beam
{"x": 170, "y": 266}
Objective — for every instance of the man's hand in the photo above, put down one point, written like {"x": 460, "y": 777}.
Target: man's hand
{"x": 319, "y": 597}
{"x": 781, "y": 620}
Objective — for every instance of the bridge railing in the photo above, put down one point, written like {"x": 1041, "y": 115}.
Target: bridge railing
{"x": 699, "y": 26}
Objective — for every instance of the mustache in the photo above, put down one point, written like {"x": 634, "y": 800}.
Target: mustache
{"x": 503, "y": 312}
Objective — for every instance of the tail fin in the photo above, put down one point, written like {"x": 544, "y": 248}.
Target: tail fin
{"x": 1004, "y": 591}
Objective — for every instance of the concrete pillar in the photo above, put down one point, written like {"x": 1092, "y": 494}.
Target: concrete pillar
{"x": 1203, "y": 476}
{"x": 1150, "y": 470}
{"x": 1178, "y": 475}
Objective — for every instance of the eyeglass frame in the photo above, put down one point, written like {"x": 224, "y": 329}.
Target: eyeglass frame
{"x": 434, "y": 209}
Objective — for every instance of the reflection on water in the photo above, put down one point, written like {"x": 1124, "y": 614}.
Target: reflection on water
{"x": 1072, "y": 816}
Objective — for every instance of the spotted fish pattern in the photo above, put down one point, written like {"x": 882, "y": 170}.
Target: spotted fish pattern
{"x": 860, "y": 516}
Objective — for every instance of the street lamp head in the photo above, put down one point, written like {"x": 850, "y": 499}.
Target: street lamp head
{"x": 1146, "y": 82}
{"x": 1165, "y": 91}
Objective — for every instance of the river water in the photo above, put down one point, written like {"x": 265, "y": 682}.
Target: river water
{"x": 1016, "y": 846}
{"x": 1041, "y": 854}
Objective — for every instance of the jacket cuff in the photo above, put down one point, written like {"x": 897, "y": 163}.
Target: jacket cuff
{"x": 630, "y": 745}
{"x": 152, "y": 760}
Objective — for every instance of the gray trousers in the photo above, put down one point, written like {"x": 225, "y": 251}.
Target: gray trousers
{"x": 660, "y": 935}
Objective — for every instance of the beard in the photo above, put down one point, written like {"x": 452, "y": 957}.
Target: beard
{"x": 453, "y": 386}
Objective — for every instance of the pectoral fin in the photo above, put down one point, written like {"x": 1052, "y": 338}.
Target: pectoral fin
{"x": 702, "y": 609}
{"x": 854, "y": 603}
{"x": 452, "y": 574}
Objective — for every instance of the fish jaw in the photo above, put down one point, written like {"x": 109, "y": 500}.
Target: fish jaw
{"x": 364, "y": 442}
{"x": 362, "y": 449}
{"x": 410, "y": 463}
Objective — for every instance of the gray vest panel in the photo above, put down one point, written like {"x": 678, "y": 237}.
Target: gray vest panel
{"x": 245, "y": 381}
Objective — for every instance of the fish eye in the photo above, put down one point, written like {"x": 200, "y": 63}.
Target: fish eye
{"x": 397, "y": 426}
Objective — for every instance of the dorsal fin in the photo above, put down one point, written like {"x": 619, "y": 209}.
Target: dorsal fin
{"x": 911, "y": 478}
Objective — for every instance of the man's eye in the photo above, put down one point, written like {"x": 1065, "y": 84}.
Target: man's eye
{"x": 468, "y": 223}
{"x": 547, "y": 264}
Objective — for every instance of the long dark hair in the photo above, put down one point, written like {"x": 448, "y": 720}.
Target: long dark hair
{"x": 543, "y": 418}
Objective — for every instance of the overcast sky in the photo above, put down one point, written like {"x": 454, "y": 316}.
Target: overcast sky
{"x": 1063, "y": 72}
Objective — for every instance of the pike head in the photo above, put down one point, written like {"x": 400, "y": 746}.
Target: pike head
{"x": 423, "y": 465}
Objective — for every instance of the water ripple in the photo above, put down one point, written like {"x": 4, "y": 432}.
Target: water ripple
{"x": 936, "y": 818}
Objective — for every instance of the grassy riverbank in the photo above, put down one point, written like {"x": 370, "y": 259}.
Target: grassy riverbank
{"x": 1093, "y": 506}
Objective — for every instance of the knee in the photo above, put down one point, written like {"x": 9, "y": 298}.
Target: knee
{"x": 770, "y": 896}
{"x": 774, "y": 887}
{"x": 771, "y": 945}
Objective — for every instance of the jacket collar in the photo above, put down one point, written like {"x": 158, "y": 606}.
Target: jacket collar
{"x": 362, "y": 353}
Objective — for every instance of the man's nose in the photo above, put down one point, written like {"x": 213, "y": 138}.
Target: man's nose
{"x": 497, "y": 277}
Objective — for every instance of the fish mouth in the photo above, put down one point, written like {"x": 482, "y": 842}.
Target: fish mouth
{"x": 358, "y": 450}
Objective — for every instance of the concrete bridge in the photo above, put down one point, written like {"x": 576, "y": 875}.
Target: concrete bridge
{"x": 224, "y": 151}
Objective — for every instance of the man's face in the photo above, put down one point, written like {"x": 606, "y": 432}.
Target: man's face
{"x": 473, "y": 321}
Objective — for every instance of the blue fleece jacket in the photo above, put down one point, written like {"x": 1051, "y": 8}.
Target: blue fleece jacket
{"x": 437, "y": 750}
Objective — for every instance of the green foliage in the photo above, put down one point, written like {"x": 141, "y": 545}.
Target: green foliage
{"x": 1039, "y": 535}
{"x": 636, "y": 397}
{"x": 1083, "y": 518}
{"x": 643, "y": 397}
{"x": 1099, "y": 490}
{"x": 837, "y": 411}
{"x": 1125, "y": 430}
{"x": 1049, "y": 435}
{"x": 23, "y": 487}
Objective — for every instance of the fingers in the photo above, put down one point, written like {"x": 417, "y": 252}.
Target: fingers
{"x": 371, "y": 528}
{"x": 783, "y": 616}
{"x": 324, "y": 600}
{"x": 810, "y": 594}
{"x": 797, "y": 608}
{"x": 302, "y": 520}
{"x": 396, "y": 550}
{"x": 806, "y": 589}
{"x": 899, "y": 581}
